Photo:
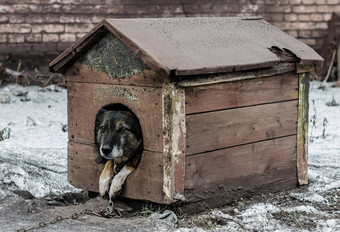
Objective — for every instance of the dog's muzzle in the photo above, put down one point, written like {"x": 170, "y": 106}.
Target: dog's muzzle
{"x": 110, "y": 152}
{"x": 105, "y": 151}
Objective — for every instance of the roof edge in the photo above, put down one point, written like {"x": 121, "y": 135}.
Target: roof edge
{"x": 71, "y": 54}
{"x": 77, "y": 49}
{"x": 59, "y": 63}
{"x": 146, "y": 58}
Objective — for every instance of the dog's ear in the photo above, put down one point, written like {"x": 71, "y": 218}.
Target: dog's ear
{"x": 100, "y": 114}
{"x": 99, "y": 118}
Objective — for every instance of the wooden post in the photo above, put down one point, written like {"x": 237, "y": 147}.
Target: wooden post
{"x": 302, "y": 130}
{"x": 173, "y": 143}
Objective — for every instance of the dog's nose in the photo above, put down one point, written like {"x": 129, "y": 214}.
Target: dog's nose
{"x": 106, "y": 149}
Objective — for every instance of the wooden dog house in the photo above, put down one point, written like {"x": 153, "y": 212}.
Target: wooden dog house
{"x": 222, "y": 102}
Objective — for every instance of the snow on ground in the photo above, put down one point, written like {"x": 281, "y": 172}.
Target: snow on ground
{"x": 34, "y": 159}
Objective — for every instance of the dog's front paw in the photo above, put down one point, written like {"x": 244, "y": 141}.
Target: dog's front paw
{"x": 119, "y": 180}
{"x": 104, "y": 185}
{"x": 116, "y": 188}
{"x": 106, "y": 177}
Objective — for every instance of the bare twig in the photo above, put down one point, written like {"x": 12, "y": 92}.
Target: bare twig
{"x": 330, "y": 67}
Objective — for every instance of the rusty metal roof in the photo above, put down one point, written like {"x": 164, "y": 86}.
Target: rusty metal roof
{"x": 188, "y": 46}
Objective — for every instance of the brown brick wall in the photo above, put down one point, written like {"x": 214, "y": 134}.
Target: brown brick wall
{"x": 47, "y": 27}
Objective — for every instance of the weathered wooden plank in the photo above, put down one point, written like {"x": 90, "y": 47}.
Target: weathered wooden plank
{"x": 304, "y": 68}
{"x": 221, "y": 198}
{"x": 239, "y": 168}
{"x": 82, "y": 73}
{"x": 84, "y": 101}
{"x": 82, "y": 170}
{"x": 145, "y": 183}
{"x": 302, "y": 130}
{"x": 208, "y": 79}
{"x": 174, "y": 142}
{"x": 241, "y": 93}
{"x": 226, "y": 128}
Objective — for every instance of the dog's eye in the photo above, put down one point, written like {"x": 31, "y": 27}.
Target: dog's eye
{"x": 123, "y": 128}
{"x": 103, "y": 128}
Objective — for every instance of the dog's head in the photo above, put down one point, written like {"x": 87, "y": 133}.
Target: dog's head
{"x": 118, "y": 135}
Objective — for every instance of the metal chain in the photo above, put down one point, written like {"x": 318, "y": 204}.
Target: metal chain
{"x": 109, "y": 212}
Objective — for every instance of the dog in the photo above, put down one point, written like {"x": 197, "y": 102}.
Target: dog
{"x": 118, "y": 136}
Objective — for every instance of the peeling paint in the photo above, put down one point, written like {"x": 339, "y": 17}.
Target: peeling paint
{"x": 302, "y": 130}
{"x": 174, "y": 141}
{"x": 113, "y": 57}
{"x": 102, "y": 92}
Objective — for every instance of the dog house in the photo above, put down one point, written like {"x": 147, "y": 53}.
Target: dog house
{"x": 222, "y": 102}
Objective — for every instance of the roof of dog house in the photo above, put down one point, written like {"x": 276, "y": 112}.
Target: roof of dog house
{"x": 190, "y": 46}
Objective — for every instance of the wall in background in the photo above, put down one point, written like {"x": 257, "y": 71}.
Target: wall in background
{"x": 47, "y": 27}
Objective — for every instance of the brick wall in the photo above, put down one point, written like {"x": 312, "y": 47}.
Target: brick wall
{"x": 47, "y": 27}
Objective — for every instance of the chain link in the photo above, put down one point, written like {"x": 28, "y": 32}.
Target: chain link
{"x": 109, "y": 212}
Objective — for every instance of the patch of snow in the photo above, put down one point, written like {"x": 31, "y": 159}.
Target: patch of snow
{"x": 220, "y": 214}
{"x": 329, "y": 225}
{"x": 309, "y": 197}
{"x": 324, "y": 127}
{"x": 333, "y": 185}
{"x": 190, "y": 230}
{"x": 304, "y": 208}
{"x": 259, "y": 217}
{"x": 316, "y": 177}
{"x": 34, "y": 157}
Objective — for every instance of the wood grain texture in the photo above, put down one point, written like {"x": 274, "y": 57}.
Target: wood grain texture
{"x": 145, "y": 183}
{"x": 222, "y": 197}
{"x": 302, "y": 129}
{"x": 85, "y": 99}
{"x": 241, "y": 93}
{"x": 240, "y": 168}
{"x": 82, "y": 171}
{"x": 173, "y": 142}
{"x": 82, "y": 73}
{"x": 304, "y": 68}
{"x": 208, "y": 79}
{"x": 226, "y": 128}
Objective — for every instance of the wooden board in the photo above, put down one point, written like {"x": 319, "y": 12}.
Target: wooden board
{"x": 240, "y": 168}
{"x": 226, "y": 128}
{"x": 82, "y": 73}
{"x": 85, "y": 99}
{"x": 173, "y": 142}
{"x": 241, "y": 93}
{"x": 302, "y": 129}
{"x": 82, "y": 170}
{"x": 221, "y": 198}
{"x": 143, "y": 184}
{"x": 304, "y": 68}
{"x": 209, "y": 79}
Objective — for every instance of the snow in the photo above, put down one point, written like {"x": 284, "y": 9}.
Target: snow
{"x": 304, "y": 208}
{"x": 34, "y": 159}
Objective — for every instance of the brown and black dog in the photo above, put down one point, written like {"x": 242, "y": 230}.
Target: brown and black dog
{"x": 119, "y": 139}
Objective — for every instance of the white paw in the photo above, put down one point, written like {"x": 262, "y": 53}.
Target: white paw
{"x": 104, "y": 184}
{"x": 116, "y": 187}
